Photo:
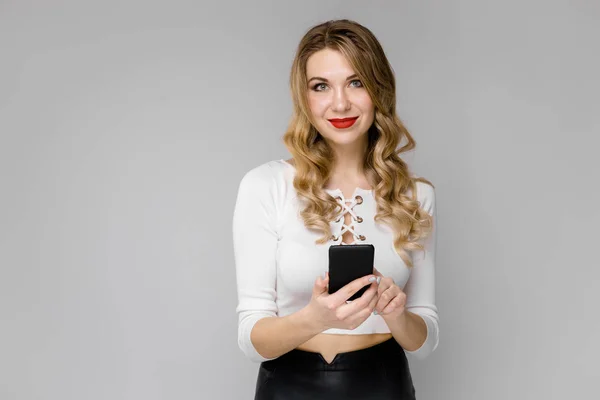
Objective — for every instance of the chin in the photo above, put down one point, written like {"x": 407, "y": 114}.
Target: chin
{"x": 343, "y": 138}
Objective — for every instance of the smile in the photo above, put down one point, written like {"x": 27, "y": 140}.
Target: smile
{"x": 342, "y": 123}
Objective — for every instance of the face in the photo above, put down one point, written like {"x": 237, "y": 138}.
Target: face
{"x": 340, "y": 105}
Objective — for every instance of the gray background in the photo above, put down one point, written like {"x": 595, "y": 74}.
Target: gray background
{"x": 126, "y": 126}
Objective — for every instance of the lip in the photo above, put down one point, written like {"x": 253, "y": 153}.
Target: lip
{"x": 342, "y": 123}
{"x": 342, "y": 119}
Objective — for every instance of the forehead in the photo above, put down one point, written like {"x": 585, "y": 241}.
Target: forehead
{"x": 328, "y": 63}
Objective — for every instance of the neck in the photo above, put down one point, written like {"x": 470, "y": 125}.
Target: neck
{"x": 349, "y": 160}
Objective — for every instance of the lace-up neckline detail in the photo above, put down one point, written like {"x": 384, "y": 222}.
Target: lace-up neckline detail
{"x": 348, "y": 207}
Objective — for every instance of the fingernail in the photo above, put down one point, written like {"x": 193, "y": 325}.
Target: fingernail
{"x": 378, "y": 279}
{"x": 375, "y": 312}
{"x": 372, "y": 279}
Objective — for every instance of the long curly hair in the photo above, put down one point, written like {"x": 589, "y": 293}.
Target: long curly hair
{"x": 386, "y": 172}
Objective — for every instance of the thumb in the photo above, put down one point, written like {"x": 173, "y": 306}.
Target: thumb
{"x": 320, "y": 286}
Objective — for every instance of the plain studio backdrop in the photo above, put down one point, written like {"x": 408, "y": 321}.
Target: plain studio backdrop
{"x": 125, "y": 129}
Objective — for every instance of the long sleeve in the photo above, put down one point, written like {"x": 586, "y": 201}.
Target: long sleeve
{"x": 420, "y": 287}
{"x": 255, "y": 244}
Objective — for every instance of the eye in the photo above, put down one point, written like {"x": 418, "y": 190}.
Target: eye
{"x": 316, "y": 87}
{"x": 357, "y": 81}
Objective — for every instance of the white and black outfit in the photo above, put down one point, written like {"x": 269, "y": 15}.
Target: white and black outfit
{"x": 277, "y": 262}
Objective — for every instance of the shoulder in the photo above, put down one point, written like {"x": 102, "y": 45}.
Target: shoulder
{"x": 263, "y": 187}
{"x": 263, "y": 175}
{"x": 266, "y": 180}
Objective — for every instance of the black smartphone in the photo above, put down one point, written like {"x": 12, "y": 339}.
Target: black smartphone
{"x": 348, "y": 262}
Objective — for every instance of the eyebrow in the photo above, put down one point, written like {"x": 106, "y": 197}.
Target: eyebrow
{"x": 325, "y": 80}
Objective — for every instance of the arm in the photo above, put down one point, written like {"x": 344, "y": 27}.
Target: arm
{"x": 410, "y": 330}
{"x": 417, "y": 329}
{"x": 262, "y": 335}
{"x": 275, "y": 336}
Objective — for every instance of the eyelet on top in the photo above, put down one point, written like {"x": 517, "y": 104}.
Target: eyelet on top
{"x": 347, "y": 207}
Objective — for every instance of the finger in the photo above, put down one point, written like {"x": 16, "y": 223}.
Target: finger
{"x": 349, "y": 289}
{"x": 373, "y": 303}
{"x": 320, "y": 286}
{"x": 384, "y": 284}
{"x": 348, "y": 309}
{"x": 368, "y": 296}
{"x": 378, "y": 274}
{"x": 385, "y": 298}
{"x": 362, "y": 314}
{"x": 393, "y": 305}
{"x": 368, "y": 310}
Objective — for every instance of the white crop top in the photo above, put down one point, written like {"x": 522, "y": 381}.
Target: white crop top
{"x": 277, "y": 260}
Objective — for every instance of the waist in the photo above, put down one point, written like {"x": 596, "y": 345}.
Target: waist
{"x": 326, "y": 343}
{"x": 383, "y": 353}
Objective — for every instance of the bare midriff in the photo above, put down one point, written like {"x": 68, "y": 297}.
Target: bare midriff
{"x": 329, "y": 345}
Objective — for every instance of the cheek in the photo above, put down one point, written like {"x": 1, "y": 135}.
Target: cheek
{"x": 365, "y": 103}
{"x": 317, "y": 104}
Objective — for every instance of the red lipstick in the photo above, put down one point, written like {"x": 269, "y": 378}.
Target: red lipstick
{"x": 342, "y": 123}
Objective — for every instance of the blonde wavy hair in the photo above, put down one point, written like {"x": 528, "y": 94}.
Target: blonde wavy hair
{"x": 386, "y": 172}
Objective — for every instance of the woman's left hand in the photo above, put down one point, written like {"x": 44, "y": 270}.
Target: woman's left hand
{"x": 391, "y": 298}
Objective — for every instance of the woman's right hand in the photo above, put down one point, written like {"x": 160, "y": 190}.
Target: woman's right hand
{"x": 332, "y": 311}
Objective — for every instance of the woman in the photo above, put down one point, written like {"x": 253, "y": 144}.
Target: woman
{"x": 344, "y": 185}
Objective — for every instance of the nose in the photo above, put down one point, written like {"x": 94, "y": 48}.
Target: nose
{"x": 340, "y": 101}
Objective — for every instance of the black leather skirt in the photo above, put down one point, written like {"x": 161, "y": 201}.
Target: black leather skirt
{"x": 380, "y": 372}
